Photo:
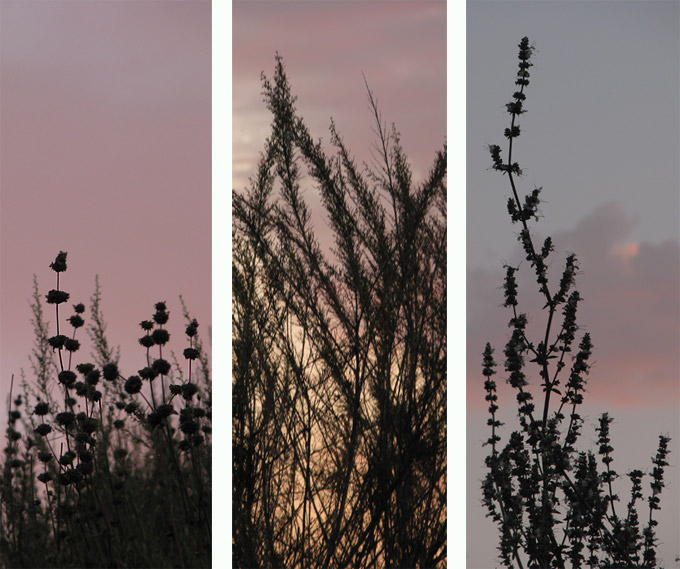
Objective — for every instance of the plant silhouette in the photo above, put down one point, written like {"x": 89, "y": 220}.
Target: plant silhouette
{"x": 555, "y": 506}
{"x": 339, "y": 359}
{"x": 102, "y": 470}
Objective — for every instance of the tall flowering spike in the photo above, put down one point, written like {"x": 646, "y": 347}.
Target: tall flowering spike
{"x": 525, "y": 52}
{"x": 491, "y": 397}
{"x": 657, "y": 473}
{"x": 603, "y": 438}
{"x": 569, "y": 325}
{"x": 489, "y": 362}
{"x": 510, "y": 287}
{"x": 580, "y": 367}
{"x": 59, "y": 265}
{"x": 656, "y": 486}
{"x": 568, "y": 278}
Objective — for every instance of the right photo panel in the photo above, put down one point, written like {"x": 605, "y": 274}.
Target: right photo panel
{"x": 573, "y": 284}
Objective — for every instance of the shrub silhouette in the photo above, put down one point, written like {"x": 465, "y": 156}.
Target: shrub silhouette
{"x": 339, "y": 360}
{"x": 554, "y": 505}
{"x": 103, "y": 470}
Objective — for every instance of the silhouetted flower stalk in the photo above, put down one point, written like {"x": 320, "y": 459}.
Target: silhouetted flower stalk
{"x": 116, "y": 481}
{"x": 554, "y": 505}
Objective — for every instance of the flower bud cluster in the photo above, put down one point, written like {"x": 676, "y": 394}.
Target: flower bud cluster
{"x": 580, "y": 368}
{"x": 525, "y": 53}
{"x": 491, "y": 396}
{"x": 569, "y": 326}
{"x": 498, "y": 164}
{"x": 76, "y": 433}
{"x": 568, "y": 278}
{"x": 510, "y": 286}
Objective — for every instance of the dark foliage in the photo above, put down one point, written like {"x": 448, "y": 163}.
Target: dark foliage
{"x": 97, "y": 472}
{"x": 555, "y": 506}
{"x": 339, "y": 359}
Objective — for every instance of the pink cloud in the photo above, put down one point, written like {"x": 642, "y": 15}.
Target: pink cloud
{"x": 631, "y": 308}
{"x": 626, "y": 252}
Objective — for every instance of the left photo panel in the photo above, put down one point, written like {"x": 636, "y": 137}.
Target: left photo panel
{"x": 105, "y": 284}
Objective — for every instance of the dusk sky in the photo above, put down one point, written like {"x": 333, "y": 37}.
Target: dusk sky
{"x": 105, "y": 130}
{"x": 601, "y": 136}
{"x": 105, "y": 138}
{"x": 399, "y": 46}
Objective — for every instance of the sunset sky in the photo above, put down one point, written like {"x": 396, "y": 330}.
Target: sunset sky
{"x": 601, "y": 136}
{"x": 399, "y": 46}
{"x": 105, "y": 138}
{"x": 105, "y": 130}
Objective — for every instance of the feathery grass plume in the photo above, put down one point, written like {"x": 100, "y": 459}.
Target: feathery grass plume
{"x": 555, "y": 506}
{"x": 339, "y": 375}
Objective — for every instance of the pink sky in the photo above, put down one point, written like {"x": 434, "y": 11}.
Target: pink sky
{"x": 105, "y": 130}
{"x": 399, "y": 46}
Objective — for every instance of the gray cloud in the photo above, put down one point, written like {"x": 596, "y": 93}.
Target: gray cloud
{"x": 631, "y": 308}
